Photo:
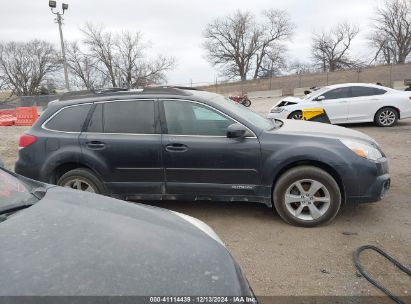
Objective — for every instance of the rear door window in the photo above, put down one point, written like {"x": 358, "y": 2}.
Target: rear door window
{"x": 366, "y": 91}
{"x": 70, "y": 119}
{"x": 131, "y": 117}
{"x": 337, "y": 93}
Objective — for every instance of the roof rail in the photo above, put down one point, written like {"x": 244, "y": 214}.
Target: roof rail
{"x": 170, "y": 90}
{"x": 165, "y": 90}
{"x": 110, "y": 90}
{"x": 76, "y": 95}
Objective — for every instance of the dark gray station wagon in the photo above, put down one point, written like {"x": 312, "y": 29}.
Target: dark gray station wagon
{"x": 169, "y": 143}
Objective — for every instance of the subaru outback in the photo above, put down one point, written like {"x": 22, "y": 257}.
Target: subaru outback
{"x": 170, "y": 143}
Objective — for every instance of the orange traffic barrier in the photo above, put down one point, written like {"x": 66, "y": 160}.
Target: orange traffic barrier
{"x": 7, "y": 120}
{"x": 26, "y": 116}
{"x": 8, "y": 112}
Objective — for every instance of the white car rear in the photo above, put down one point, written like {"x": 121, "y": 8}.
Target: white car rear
{"x": 350, "y": 103}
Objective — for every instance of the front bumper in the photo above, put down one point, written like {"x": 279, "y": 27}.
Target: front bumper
{"x": 281, "y": 115}
{"x": 373, "y": 185}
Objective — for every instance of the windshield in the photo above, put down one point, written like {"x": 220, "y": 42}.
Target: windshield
{"x": 315, "y": 93}
{"x": 249, "y": 115}
{"x": 12, "y": 191}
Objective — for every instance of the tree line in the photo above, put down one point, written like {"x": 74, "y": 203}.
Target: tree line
{"x": 239, "y": 46}
{"x": 243, "y": 46}
{"x": 101, "y": 59}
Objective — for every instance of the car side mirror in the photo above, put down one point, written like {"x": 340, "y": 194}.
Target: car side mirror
{"x": 236, "y": 130}
{"x": 320, "y": 98}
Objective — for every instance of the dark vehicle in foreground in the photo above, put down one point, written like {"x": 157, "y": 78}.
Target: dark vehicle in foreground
{"x": 61, "y": 242}
{"x": 172, "y": 144}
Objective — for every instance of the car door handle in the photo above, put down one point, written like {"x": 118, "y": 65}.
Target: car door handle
{"x": 95, "y": 145}
{"x": 176, "y": 148}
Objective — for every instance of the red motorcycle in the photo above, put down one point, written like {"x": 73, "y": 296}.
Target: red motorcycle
{"x": 243, "y": 99}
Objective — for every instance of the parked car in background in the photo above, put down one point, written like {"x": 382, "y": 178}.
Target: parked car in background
{"x": 172, "y": 144}
{"x": 350, "y": 103}
{"x": 60, "y": 242}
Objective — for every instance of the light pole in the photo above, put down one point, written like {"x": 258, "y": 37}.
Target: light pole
{"x": 59, "y": 19}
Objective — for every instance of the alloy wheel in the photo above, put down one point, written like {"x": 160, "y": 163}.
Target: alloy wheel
{"x": 79, "y": 184}
{"x": 297, "y": 116}
{"x": 307, "y": 199}
{"x": 387, "y": 117}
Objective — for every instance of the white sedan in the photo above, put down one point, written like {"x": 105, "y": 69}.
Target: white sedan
{"x": 350, "y": 103}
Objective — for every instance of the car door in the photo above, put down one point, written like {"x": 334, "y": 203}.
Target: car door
{"x": 335, "y": 103}
{"x": 123, "y": 142}
{"x": 364, "y": 103}
{"x": 200, "y": 161}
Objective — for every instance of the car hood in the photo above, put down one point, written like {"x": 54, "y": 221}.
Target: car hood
{"x": 289, "y": 100}
{"x": 318, "y": 129}
{"x": 77, "y": 243}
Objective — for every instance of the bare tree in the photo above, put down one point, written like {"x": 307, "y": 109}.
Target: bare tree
{"x": 274, "y": 62}
{"x": 121, "y": 57}
{"x": 299, "y": 67}
{"x": 101, "y": 45}
{"x": 330, "y": 50}
{"x": 237, "y": 44}
{"x": 391, "y": 35}
{"x": 276, "y": 28}
{"x": 83, "y": 67}
{"x": 24, "y": 66}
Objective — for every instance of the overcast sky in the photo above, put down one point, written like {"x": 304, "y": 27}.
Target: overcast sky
{"x": 174, "y": 27}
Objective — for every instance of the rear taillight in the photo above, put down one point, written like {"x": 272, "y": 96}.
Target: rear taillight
{"x": 26, "y": 140}
{"x": 409, "y": 97}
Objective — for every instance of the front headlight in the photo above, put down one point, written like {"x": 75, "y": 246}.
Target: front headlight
{"x": 276, "y": 110}
{"x": 362, "y": 150}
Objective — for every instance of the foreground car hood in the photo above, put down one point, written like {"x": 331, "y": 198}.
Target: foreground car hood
{"x": 77, "y": 243}
{"x": 321, "y": 130}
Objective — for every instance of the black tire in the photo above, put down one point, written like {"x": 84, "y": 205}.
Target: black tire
{"x": 297, "y": 115}
{"x": 386, "y": 117}
{"x": 306, "y": 175}
{"x": 246, "y": 103}
{"x": 86, "y": 177}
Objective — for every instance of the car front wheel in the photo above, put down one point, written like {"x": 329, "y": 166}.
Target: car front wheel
{"x": 307, "y": 196}
{"x": 298, "y": 115}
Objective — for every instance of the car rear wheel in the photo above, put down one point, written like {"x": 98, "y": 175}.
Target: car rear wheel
{"x": 386, "y": 117}
{"x": 298, "y": 115}
{"x": 83, "y": 180}
{"x": 307, "y": 196}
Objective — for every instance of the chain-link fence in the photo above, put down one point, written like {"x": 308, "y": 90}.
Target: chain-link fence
{"x": 388, "y": 75}
{"x": 27, "y": 101}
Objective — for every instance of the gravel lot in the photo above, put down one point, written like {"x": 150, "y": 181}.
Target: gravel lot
{"x": 279, "y": 259}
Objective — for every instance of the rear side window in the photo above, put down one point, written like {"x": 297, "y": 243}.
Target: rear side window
{"x": 136, "y": 117}
{"x": 366, "y": 91}
{"x": 337, "y": 93}
{"x": 70, "y": 119}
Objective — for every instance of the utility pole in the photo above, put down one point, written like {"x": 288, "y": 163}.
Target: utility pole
{"x": 59, "y": 20}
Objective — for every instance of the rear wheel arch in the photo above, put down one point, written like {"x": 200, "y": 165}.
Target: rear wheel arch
{"x": 318, "y": 164}
{"x": 389, "y": 107}
{"x": 63, "y": 168}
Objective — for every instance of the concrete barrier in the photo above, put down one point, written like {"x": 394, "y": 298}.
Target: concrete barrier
{"x": 265, "y": 94}
{"x": 300, "y": 91}
{"x": 399, "y": 85}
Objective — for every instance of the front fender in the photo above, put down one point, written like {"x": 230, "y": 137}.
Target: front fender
{"x": 328, "y": 153}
